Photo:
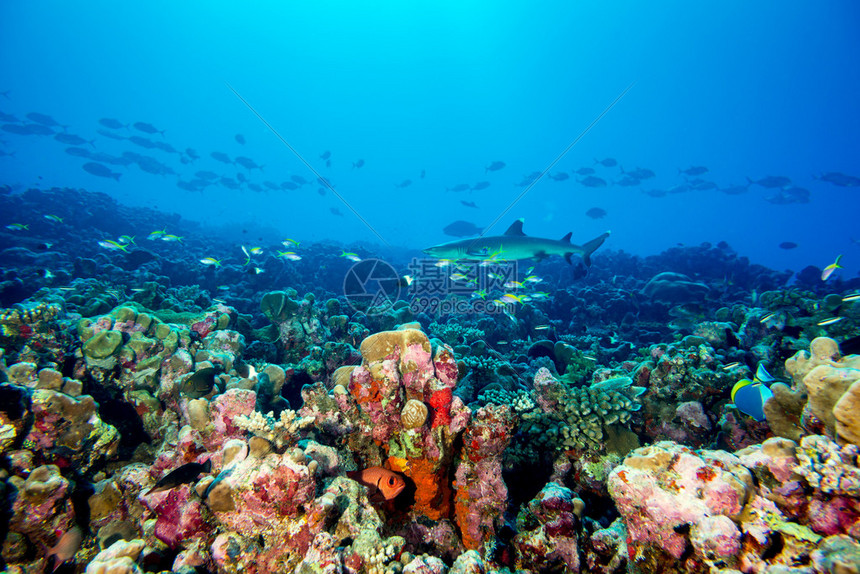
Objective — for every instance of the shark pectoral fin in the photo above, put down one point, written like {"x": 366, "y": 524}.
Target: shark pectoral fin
{"x": 591, "y": 247}
{"x": 540, "y": 256}
{"x": 567, "y": 258}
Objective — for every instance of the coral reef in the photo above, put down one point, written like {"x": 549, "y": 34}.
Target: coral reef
{"x": 147, "y": 425}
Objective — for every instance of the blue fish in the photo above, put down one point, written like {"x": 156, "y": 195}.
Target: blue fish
{"x": 750, "y": 396}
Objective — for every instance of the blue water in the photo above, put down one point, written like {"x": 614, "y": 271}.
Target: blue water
{"x": 746, "y": 89}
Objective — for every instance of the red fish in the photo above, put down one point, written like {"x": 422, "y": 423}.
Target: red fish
{"x": 66, "y": 547}
{"x": 382, "y": 483}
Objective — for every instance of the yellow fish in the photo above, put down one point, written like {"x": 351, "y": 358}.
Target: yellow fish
{"x": 828, "y": 271}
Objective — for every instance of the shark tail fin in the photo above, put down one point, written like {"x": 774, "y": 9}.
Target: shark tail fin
{"x": 592, "y": 246}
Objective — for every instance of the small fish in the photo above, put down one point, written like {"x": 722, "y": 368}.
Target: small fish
{"x": 771, "y": 181}
{"x": 335, "y": 211}
{"x": 769, "y": 317}
{"x": 532, "y": 279}
{"x": 494, "y": 166}
{"x": 358, "y": 164}
{"x": 138, "y": 290}
{"x": 248, "y": 163}
{"x": 182, "y": 475}
{"x": 171, "y": 238}
{"x": 592, "y": 181}
{"x": 608, "y": 162}
{"x": 287, "y": 242}
{"x": 112, "y": 123}
{"x": 199, "y": 383}
{"x": 596, "y": 213}
{"x": 849, "y": 298}
{"x": 147, "y": 128}
{"x": 239, "y": 138}
{"x": 112, "y": 245}
{"x": 221, "y": 301}
{"x": 66, "y": 547}
{"x": 18, "y": 227}
{"x": 830, "y": 321}
{"x": 325, "y": 155}
{"x": 291, "y": 255}
{"x": 588, "y": 358}
{"x": 256, "y": 271}
{"x": 828, "y": 271}
{"x": 788, "y": 245}
{"x": 404, "y": 183}
{"x": 156, "y": 234}
{"x": 443, "y": 263}
{"x": 128, "y": 239}
{"x": 509, "y": 298}
{"x": 256, "y": 251}
{"x": 731, "y": 366}
{"x": 694, "y": 170}
{"x": 513, "y": 285}
{"x": 219, "y": 156}
{"x": 382, "y": 484}
{"x": 351, "y": 256}
{"x": 211, "y": 261}
{"x": 100, "y": 170}
{"x": 542, "y": 327}
{"x": 458, "y": 277}
{"x": 469, "y": 203}
{"x": 117, "y": 294}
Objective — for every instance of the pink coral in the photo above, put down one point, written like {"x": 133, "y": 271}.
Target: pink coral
{"x": 482, "y": 496}
{"x": 661, "y": 488}
{"x": 226, "y": 407}
{"x": 179, "y": 516}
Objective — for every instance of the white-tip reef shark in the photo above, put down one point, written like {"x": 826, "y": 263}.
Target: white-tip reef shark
{"x": 515, "y": 244}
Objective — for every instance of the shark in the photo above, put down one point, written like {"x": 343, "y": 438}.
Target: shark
{"x": 515, "y": 245}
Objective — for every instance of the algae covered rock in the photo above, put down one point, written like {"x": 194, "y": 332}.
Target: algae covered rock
{"x": 102, "y": 345}
{"x": 68, "y": 430}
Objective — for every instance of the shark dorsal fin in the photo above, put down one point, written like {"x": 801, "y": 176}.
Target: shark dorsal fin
{"x": 516, "y": 228}
{"x": 567, "y": 237}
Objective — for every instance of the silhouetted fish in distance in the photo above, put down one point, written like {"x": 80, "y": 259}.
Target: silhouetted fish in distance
{"x": 461, "y": 228}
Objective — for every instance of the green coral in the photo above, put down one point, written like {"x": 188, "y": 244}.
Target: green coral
{"x": 586, "y": 412}
{"x": 579, "y": 368}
